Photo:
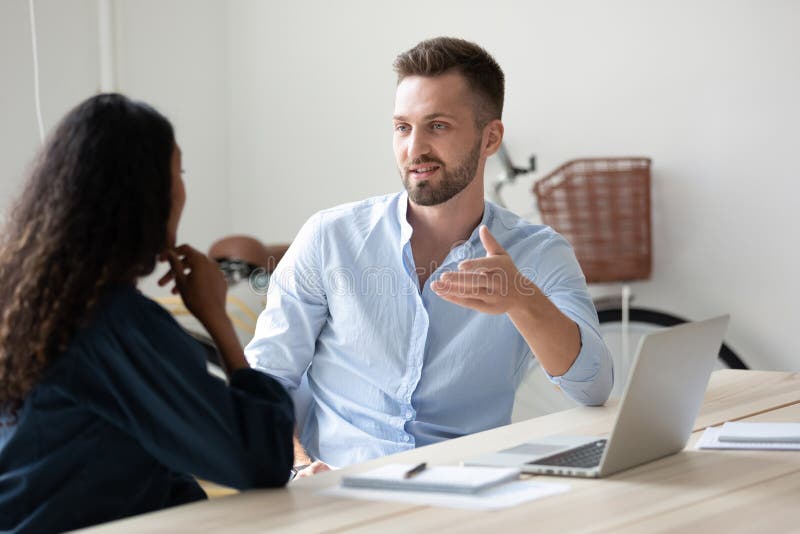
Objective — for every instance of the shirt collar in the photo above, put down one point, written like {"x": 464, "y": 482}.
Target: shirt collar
{"x": 488, "y": 215}
{"x": 406, "y": 230}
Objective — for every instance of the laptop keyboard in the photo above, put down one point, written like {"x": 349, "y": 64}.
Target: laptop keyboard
{"x": 588, "y": 455}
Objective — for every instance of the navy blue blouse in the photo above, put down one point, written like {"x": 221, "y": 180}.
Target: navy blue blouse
{"x": 120, "y": 419}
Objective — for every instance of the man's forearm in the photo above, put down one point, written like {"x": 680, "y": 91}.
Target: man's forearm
{"x": 301, "y": 457}
{"x": 553, "y": 337}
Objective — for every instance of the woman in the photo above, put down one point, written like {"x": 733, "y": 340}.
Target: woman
{"x": 106, "y": 408}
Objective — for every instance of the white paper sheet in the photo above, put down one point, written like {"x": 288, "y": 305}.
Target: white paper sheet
{"x": 709, "y": 440}
{"x": 503, "y": 496}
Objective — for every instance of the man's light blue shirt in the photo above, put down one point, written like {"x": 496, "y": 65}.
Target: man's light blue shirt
{"x": 390, "y": 367}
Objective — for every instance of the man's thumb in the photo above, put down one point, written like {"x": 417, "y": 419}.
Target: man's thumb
{"x": 491, "y": 245}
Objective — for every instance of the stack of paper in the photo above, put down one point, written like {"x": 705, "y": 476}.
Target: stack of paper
{"x": 468, "y": 488}
{"x": 766, "y": 436}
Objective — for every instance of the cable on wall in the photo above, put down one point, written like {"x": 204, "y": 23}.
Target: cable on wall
{"x": 37, "y": 98}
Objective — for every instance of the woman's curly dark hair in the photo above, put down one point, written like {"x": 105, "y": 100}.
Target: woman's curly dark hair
{"x": 93, "y": 214}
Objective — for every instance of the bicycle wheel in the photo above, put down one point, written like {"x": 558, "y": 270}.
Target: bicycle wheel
{"x": 641, "y": 322}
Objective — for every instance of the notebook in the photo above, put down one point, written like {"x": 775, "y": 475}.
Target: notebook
{"x": 752, "y": 436}
{"x": 443, "y": 479}
{"x": 760, "y": 432}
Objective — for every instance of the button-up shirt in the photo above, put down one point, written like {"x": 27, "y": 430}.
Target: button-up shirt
{"x": 391, "y": 365}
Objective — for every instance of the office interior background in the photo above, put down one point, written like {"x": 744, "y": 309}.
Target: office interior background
{"x": 284, "y": 108}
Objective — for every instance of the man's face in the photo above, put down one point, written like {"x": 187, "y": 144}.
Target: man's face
{"x": 437, "y": 144}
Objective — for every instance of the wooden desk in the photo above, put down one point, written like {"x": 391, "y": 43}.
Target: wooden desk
{"x": 693, "y": 490}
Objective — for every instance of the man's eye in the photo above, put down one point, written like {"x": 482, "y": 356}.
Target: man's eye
{"x": 401, "y": 128}
{"x": 439, "y": 126}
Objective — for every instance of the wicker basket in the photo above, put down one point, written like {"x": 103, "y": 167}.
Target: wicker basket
{"x": 602, "y": 207}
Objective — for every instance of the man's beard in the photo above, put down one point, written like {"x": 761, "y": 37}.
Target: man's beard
{"x": 452, "y": 183}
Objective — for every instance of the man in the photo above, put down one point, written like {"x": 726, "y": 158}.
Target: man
{"x": 415, "y": 316}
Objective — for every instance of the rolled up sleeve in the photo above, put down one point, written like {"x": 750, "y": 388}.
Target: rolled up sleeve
{"x": 590, "y": 378}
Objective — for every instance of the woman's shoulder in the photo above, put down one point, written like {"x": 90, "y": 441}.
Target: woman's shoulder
{"x": 124, "y": 316}
{"x": 115, "y": 328}
{"x": 125, "y": 326}
{"x": 125, "y": 306}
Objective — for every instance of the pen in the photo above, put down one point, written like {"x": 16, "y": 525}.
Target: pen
{"x": 414, "y": 471}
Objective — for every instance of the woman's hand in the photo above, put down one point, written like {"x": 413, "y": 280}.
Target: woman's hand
{"x": 203, "y": 289}
{"x": 199, "y": 281}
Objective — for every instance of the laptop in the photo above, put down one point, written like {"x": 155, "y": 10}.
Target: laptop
{"x": 656, "y": 415}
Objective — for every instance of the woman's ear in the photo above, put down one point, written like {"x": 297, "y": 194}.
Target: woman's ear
{"x": 492, "y": 137}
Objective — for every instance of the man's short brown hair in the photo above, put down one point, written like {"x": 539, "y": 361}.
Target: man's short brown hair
{"x": 441, "y": 54}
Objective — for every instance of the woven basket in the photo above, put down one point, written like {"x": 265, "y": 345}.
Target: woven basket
{"x": 602, "y": 207}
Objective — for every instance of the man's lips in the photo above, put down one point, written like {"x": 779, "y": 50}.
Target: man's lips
{"x": 421, "y": 172}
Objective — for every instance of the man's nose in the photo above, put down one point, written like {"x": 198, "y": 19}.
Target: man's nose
{"x": 418, "y": 145}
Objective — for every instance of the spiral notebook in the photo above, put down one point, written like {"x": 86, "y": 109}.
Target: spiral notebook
{"x": 753, "y": 436}
{"x": 442, "y": 479}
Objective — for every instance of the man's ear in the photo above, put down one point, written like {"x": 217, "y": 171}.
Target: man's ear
{"x": 492, "y": 137}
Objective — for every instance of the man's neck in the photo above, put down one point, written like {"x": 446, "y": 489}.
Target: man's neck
{"x": 447, "y": 223}
{"x": 437, "y": 229}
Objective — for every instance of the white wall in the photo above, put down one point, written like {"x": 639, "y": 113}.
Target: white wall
{"x": 311, "y": 100}
{"x": 172, "y": 54}
{"x": 65, "y": 79}
{"x": 708, "y": 89}
{"x": 283, "y": 108}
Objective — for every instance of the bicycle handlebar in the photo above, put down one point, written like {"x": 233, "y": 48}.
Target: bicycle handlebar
{"x": 510, "y": 173}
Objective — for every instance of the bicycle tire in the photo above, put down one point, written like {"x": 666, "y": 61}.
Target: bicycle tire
{"x": 658, "y": 318}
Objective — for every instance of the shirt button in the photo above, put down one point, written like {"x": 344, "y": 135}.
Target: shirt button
{"x": 409, "y": 414}
{"x": 406, "y": 438}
